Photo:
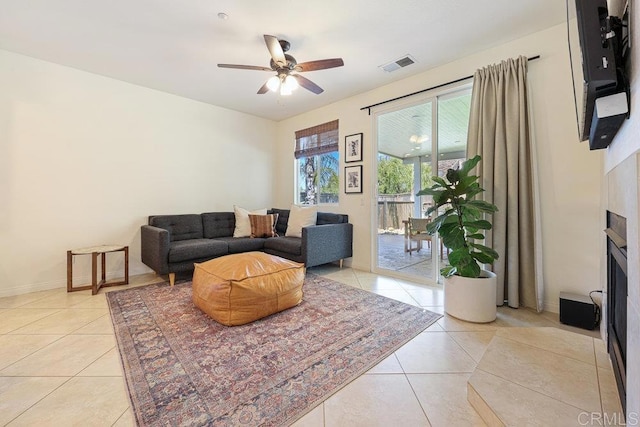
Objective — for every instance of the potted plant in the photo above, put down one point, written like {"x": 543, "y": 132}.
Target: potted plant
{"x": 470, "y": 291}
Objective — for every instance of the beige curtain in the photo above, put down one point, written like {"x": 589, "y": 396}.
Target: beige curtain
{"x": 499, "y": 132}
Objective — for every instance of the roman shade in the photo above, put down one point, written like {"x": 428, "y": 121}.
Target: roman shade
{"x": 316, "y": 140}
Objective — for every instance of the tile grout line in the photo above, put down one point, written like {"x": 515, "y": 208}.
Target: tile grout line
{"x": 69, "y": 378}
{"x": 99, "y": 357}
{"x": 39, "y": 400}
{"x": 32, "y": 353}
{"x": 37, "y": 320}
{"x": 415, "y": 394}
{"x": 595, "y": 358}
{"x": 121, "y": 415}
{"x": 92, "y": 321}
{"x": 530, "y": 389}
{"x": 550, "y": 350}
{"x": 30, "y": 302}
{"x": 477, "y": 362}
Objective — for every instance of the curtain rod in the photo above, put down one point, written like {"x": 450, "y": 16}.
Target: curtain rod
{"x": 369, "y": 107}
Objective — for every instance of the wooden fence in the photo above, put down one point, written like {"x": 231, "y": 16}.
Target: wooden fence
{"x": 391, "y": 213}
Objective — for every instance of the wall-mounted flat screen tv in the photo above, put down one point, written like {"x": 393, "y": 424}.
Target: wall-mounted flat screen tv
{"x": 593, "y": 61}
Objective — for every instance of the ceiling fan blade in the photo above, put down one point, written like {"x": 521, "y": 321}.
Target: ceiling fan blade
{"x": 264, "y": 89}
{"x": 308, "y": 84}
{"x": 321, "y": 64}
{"x": 275, "y": 50}
{"x": 245, "y": 67}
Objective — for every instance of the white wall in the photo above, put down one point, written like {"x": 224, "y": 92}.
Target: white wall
{"x": 627, "y": 142}
{"x": 85, "y": 159}
{"x": 569, "y": 174}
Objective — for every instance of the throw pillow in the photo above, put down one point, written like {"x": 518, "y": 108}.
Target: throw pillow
{"x": 263, "y": 225}
{"x": 243, "y": 226}
{"x": 300, "y": 217}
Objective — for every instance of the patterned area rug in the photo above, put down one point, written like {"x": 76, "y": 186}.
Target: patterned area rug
{"x": 182, "y": 368}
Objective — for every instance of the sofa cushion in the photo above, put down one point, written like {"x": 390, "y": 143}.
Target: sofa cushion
{"x": 300, "y": 217}
{"x": 180, "y": 227}
{"x": 331, "y": 218}
{"x": 289, "y": 245}
{"x": 283, "y": 219}
{"x": 263, "y": 225}
{"x": 218, "y": 224}
{"x": 243, "y": 226}
{"x": 186, "y": 250}
{"x": 243, "y": 244}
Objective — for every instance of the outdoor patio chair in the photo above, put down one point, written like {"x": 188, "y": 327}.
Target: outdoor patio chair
{"x": 415, "y": 230}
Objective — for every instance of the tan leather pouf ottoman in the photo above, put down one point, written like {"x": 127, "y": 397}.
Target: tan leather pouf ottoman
{"x": 240, "y": 288}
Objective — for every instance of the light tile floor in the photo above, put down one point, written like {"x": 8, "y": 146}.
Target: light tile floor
{"x": 59, "y": 364}
{"x": 555, "y": 376}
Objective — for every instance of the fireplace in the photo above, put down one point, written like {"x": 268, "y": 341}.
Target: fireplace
{"x": 617, "y": 299}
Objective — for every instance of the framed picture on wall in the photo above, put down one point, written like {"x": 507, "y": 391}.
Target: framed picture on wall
{"x": 353, "y": 148}
{"x": 353, "y": 179}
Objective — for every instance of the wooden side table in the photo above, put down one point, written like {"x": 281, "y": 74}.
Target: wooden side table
{"x": 94, "y": 251}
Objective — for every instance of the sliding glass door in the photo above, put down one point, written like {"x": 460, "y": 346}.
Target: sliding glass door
{"x": 413, "y": 141}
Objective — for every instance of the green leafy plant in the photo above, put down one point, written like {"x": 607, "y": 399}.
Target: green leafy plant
{"x": 461, "y": 224}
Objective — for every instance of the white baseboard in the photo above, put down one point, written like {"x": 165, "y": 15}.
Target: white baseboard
{"x": 55, "y": 284}
{"x": 32, "y": 287}
{"x": 358, "y": 267}
{"x": 552, "y": 306}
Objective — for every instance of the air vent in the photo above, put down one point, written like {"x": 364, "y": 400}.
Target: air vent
{"x": 398, "y": 63}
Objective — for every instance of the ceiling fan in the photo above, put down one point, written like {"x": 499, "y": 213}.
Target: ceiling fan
{"x": 287, "y": 69}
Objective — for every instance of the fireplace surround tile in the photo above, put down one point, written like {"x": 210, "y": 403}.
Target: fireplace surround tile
{"x": 633, "y": 237}
{"x": 623, "y": 195}
{"x": 633, "y": 361}
{"x": 575, "y": 346}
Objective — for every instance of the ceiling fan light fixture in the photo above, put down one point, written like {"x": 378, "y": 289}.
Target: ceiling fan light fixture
{"x": 418, "y": 139}
{"x": 290, "y": 83}
{"x": 273, "y": 83}
{"x": 284, "y": 90}
{"x": 284, "y": 64}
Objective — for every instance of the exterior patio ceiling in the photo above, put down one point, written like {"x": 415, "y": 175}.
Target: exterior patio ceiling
{"x": 407, "y": 133}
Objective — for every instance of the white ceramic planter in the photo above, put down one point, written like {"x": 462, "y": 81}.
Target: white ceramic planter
{"x": 469, "y": 299}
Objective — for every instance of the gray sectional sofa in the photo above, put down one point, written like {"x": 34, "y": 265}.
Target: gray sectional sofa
{"x": 173, "y": 243}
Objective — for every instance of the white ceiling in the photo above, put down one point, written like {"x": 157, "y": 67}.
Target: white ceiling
{"x": 175, "y": 45}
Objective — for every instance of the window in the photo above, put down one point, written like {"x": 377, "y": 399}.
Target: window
{"x": 317, "y": 163}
